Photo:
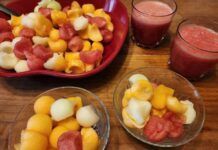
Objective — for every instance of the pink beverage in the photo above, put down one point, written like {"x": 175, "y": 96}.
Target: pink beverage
{"x": 151, "y": 20}
{"x": 194, "y": 50}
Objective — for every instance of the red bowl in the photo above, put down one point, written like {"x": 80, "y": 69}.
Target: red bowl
{"x": 119, "y": 17}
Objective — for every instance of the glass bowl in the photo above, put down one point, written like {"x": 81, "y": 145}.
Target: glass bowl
{"x": 183, "y": 90}
{"x": 102, "y": 127}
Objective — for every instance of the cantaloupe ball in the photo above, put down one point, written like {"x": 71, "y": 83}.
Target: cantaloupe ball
{"x": 51, "y": 148}
{"x": 55, "y": 134}
{"x": 31, "y": 140}
{"x": 77, "y": 100}
{"x": 70, "y": 123}
{"x": 90, "y": 139}
{"x": 43, "y": 104}
{"x": 40, "y": 123}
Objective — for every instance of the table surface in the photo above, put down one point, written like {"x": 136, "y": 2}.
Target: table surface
{"x": 15, "y": 93}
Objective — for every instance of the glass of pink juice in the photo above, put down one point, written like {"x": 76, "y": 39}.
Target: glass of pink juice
{"x": 150, "y": 20}
{"x": 194, "y": 51}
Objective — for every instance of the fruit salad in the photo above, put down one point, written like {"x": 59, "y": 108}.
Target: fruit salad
{"x": 154, "y": 109}
{"x": 61, "y": 124}
{"x": 69, "y": 39}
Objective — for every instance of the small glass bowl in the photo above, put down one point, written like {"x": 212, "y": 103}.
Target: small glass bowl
{"x": 102, "y": 127}
{"x": 183, "y": 90}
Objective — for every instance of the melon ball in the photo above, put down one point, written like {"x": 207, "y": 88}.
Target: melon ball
{"x": 21, "y": 66}
{"x": 8, "y": 60}
{"x": 62, "y": 109}
{"x": 54, "y": 5}
{"x": 77, "y": 100}
{"x": 6, "y": 47}
{"x": 136, "y": 77}
{"x": 51, "y": 148}
{"x": 139, "y": 111}
{"x": 43, "y": 104}
{"x": 40, "y": 123}
{"x": 29, "y": 20}
{"x": 90, "y": 139}
{"x": 80, "y": 23}
{"x": 55, "y": 134}
{"x": 31, "y": 140}
{"x": 86, "y": 116}
{"x": 190, "y": 113}
{"x": 70, "y": 123}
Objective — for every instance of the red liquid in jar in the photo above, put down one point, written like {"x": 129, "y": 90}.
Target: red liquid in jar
{"x": 198, "y": 54}
{"x": 150, "y": 22}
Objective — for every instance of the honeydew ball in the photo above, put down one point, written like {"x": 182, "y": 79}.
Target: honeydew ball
{"x": 136, "y": 77}
{"x": 21, "y": 66}
{"x": 44, "y": 3}
{"x": 139, "y": 110}
{"x": 80, "y": 23}
{"x": 190, "y": 113}
{"x": 61, "y": 109}
{"x": 40, "y": 40}
{"x": 86, "y": 116}
{"x": 43, "y": 104}
{"x": 6, "y": 47}
{"x": 29, "y": 20}
{"x": 54, "y": 5}
{"x": 8, "y": 61}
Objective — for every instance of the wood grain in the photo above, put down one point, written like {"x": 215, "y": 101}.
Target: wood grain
{"x": 15, "y": 93}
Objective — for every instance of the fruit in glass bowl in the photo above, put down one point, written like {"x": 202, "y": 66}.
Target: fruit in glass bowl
{"x": 47, "y": 121}
{"x": 159, "y": 107}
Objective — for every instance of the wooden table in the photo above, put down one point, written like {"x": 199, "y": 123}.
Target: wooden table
{"x": 15, "y": 93}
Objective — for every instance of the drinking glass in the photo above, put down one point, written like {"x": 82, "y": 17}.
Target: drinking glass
{"x": 194, "y": 51}
{"x": 151, "y": 20}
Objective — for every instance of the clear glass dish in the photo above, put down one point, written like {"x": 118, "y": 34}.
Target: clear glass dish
{"x": 183, "y": 90}
{"x": 102, "y": 127}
